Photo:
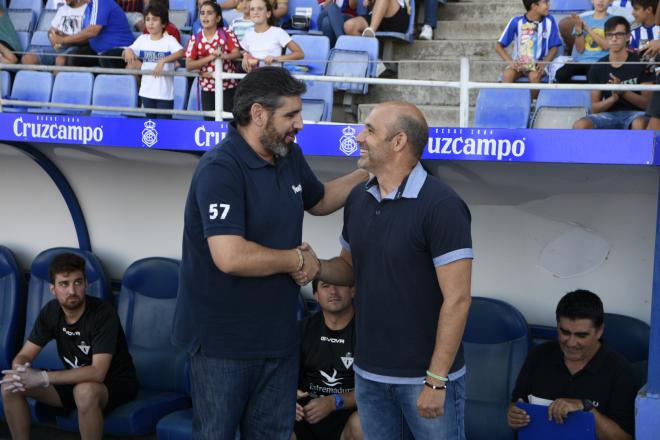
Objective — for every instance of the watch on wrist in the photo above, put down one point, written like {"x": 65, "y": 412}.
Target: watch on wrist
{"x": 587, "y": 405}
{"x": 339, "y": 401}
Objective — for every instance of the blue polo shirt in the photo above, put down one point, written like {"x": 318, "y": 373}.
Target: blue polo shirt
{"x": 235, "y": 192}
{"x": 396, "y": 244}
{"x": 116, "y": 31}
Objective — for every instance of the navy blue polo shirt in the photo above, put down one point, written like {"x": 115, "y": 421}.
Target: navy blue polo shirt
{"x": 235, "y": 192}
{"x": 396, "y": 244}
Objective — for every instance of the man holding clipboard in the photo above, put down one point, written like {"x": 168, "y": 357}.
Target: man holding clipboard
{"x": 578, "y": 373}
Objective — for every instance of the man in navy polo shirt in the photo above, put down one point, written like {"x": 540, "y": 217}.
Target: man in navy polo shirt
{"x": 105, "y": 32}
{"x": 236, "y": 310}
{"x": 406, "y": 243}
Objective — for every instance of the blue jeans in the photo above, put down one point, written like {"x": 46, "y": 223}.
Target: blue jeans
{"x": 615, "y": 120}
{"x": 388, "y": 411}
{"x": 331, "y": 22}
{"x": 430, "y": 12}
{"x": 254, "y": 396}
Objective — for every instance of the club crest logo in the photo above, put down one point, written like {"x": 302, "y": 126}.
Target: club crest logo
{"x": 347, "y": 360}
{"x": 84, "y": 347}
{"x": 149, "y": 134}
{"x": 347, "y": 143}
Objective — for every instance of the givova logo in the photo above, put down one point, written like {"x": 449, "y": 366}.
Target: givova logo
{"x": 475, "y": 142}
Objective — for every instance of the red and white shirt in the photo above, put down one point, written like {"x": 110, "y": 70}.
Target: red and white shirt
{"x": 200, "y": 47}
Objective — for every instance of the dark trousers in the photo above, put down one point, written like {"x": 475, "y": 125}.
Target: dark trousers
{"x": 116, "y": 63}
{"x": 564, "y": 74}
{"x": 208, "y": 101}
{"x": 159, "y": 104}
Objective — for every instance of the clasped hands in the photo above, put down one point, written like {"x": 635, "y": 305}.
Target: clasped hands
{"x": 311, "y": 266}
{"x": 23, "y": 377}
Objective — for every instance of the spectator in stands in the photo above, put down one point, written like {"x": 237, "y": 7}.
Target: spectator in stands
{"x": 408, "y": 358}
{"x": 105, "y": 32}
{"x": 99, "y": 374}
{"x": 384, "y": 15}
{"x": 644, "y": 13}
{"x": 430, "y": 19}
{"x": 334, "y": 13}
{"x": 214, "y": 41}
{"x": 9, "y": 42}
{"x": 622, "y": 8}
{"x": 170, "y": 29}
{"x": 590, "y": 42}
{"x": 68, "y": 20}
{"x": 279, "y": 7}
{"x": 578, "y": 373}
{"x": 326, "y": 408}
{"x": 617, "y": 110}
{"x": 265, "y": 44}
{"x": 236, "y": 306}
{"x": 536, "y": 40}
{"x": 242, "y": 25}
{"x": 158, "y": 52}
{"x": 131, "y": 5}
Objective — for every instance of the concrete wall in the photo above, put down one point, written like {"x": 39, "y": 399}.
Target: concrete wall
{"x": 539, "y": 230}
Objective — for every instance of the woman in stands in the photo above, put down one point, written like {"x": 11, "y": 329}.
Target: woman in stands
{"x": 158, "y": 51}
{"x": 9, "y": 42}
{"x": 212, "y": 42}
{"x": 265, "y": 44}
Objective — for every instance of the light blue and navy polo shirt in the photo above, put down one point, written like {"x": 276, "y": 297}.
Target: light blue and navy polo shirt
{"x": 396, "y": 243}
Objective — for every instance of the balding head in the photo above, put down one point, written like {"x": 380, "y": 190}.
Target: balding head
{"x": 407, "y": 118}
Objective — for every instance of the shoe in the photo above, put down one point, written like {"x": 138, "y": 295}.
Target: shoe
{"x": 380, "y": 69}
{"x": 426, "y": 33}
{"x": 368, "y": 32}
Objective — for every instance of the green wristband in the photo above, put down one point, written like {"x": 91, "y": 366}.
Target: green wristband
{"x": 436, "y": 377}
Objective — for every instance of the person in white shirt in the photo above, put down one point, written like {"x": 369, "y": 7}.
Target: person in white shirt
{"x": 67, "y": 21}
{"x": 158, "y": 51}
{"x": 265, "y": 44}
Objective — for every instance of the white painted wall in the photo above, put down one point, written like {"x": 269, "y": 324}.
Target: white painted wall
{"x": 133, "y": 201}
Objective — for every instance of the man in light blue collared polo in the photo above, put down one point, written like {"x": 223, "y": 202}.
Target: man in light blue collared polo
{"x": 406, "y": 241}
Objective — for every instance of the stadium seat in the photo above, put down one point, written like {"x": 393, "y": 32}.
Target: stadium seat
{"x": 45, "y": 19}
{"x": 71, "y": 88}
{"x": 53, "y": 4}
{"x": 194, "y": 103}
{"x": 629, "y": 337}
{"x": 133, "y": 18}
{"x": 5, "y": 84}
{"x": 30, "y": 86}
{"x": 180, "y": 92}
{"x": 179, "y": 17}
{"x": 12, "y": 310}
{"x": 24, "y": 38}
{"x": 496, "y": 342}
{"x": 36, "y": 6}
{"x": 146, "y": 308}
{"x": 317, "y": 101}
{"x": 409, "y": 35}
{"x": 22, "y": 19}
{"x": 570, "y": 5}
{"x": 316, "y": 49}
{"x": 561, "y": 108}
{"x": 185, "y": 38}
{"x": 316, "y": 10}
{"x": 188, "y": 5}
{"x": 353, "y": 57}
{"x": 502, "y": 108}
{"x": 114, "y": 90}
{"x": 39, "y": 39}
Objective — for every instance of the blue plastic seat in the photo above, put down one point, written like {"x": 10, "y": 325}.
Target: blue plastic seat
{"x": 5, "y": 80}
{"x": 409, "y": 35}
{"x": 564, "y": 98}
{"x": 561, "y": 108}
{"x": 146, "y": 308}
{"x": 630, "y": 337}
{"x": 179, "y": 17}
{"x": 39, "y": 39}
{"x": 194, "y": 103}
{"x": 570, "y": 5}
{"x": 36, "y": 6}
{"x": 496, "y": 343}
{"x": 46, "y": 17}
{"x": 188, "y": 5}
{"x": 502, "y": 108}
{"x": 180, "y": 92}
{"x": 114, "y": 90}
{"x": 316, "y": 49}
{"x": 71, "y": 88}
{"x": 12, "y": 310}
{"x": 30, "y": 86}
{"x": 317, "y": 101}
{"x": 22, "y": 19}
{"x": 353, "y": 57}
{"x": 53, "y": 4}
{"x": 316, "y": 10}
{"x": 24, "y": 38}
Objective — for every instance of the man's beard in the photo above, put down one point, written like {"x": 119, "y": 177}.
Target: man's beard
{"x": 273, "y": 142}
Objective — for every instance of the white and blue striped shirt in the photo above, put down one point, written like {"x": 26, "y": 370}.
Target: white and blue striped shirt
{"x": 545, "y": 36}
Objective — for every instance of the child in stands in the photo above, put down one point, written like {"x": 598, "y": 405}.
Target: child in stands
{"x": 158, "y": 51}
{"x": 213, "y": 41}
{"x": 644, "y": 13}
{"x": 265, "y": 43}
{"x": 536, "y": 40}
{"x": 243, "y": 25}
{"x": 170, "y": 28}
{"x": 622, "y": 8}
{"x": 590, "y": 42}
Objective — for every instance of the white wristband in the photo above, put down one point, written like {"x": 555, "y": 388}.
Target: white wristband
{"x": 44, "y": 373}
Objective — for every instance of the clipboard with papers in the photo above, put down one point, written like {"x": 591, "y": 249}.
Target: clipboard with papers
{"x": 577, "y": 426}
